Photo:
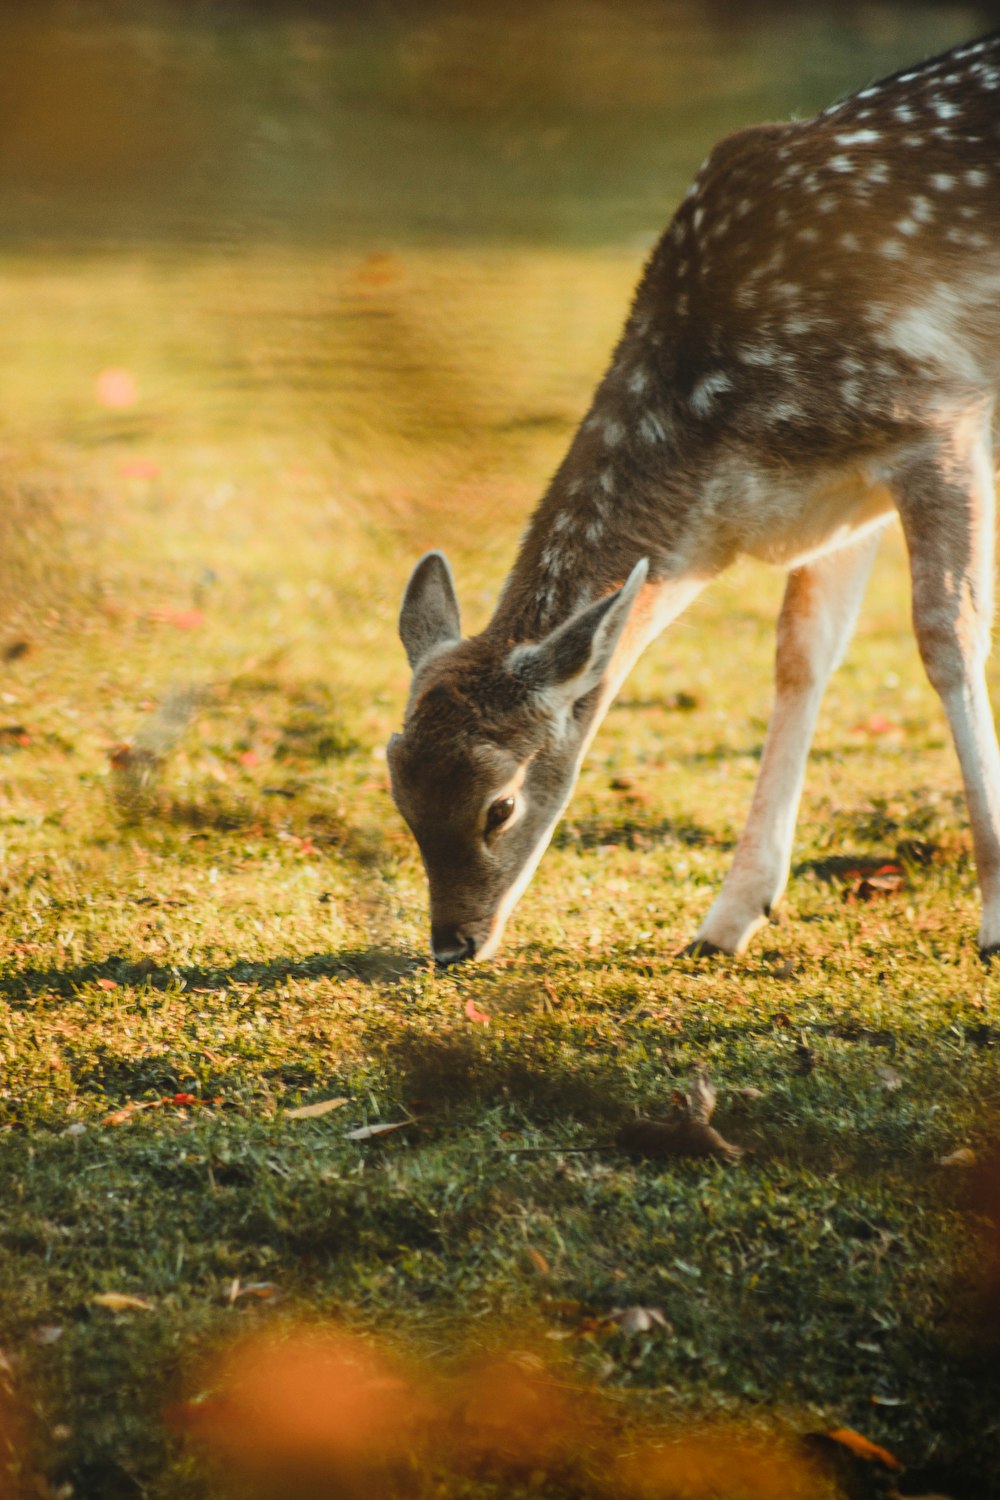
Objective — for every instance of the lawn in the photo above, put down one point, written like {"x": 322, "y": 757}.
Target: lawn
{"x": 215, "y": 917}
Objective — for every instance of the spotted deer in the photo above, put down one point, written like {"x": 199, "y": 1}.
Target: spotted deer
{"x": 813, "y": 349}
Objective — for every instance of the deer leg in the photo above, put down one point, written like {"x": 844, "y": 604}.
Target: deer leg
{"x": 946, "y": 503}
{"x": 817, "y": 616}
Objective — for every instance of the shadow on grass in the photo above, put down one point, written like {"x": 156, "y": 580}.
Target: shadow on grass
{"x": 453, "y": 1068}
{"x": 369, "y": 965}
{"x": 290, "y": 808}
{"x": 636, "y": 831}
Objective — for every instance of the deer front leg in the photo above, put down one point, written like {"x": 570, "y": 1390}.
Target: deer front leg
{"x": 946, "y": 503}
{"x": 817, "y": 616}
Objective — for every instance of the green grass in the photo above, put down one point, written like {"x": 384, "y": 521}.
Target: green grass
{"x": 244, "y": 920}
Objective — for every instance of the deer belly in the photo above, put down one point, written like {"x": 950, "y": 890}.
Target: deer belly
{"x": 798, "y": 527}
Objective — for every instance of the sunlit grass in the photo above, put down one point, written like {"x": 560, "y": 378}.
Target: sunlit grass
{"x": 241, "y": 918}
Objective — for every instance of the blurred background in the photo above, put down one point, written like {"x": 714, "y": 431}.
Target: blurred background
{"x": 305, "y": 285}
{"x": 292, "y": 290}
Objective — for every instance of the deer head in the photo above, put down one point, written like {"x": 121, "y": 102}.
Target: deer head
{"x": 490, "y": 748}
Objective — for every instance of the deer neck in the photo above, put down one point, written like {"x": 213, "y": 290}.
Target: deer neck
{"x": 604, "y": 509}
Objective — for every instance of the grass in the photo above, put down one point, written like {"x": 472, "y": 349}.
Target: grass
{"x": 226, "y": 920}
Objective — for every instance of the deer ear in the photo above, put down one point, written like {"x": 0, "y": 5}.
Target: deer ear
{"x": 429, "y": 615}
{"x": 575, "y": 656}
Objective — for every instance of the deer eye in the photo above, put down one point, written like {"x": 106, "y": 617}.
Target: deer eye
{"x": 499, "y": 812}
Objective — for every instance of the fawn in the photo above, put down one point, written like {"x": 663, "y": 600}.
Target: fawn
{"x": 813, "y": 348}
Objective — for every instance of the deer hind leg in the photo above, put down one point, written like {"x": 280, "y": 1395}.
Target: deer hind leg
{"x": 946, "y": 503}
{"x": 817, "y": 616}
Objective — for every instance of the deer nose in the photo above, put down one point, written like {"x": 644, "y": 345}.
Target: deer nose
{"x": 451, "y": 945}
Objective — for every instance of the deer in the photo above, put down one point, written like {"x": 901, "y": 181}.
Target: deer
{"x": 812, "y": 352}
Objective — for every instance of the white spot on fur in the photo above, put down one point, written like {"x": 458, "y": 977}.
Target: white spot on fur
{"x": 651, "y": 428}
{"x": 705, "y": 391}
{"x": 850, "y": 241}
{"x": 891, "y": 249}
{"x": 757, "y": 354}
{"x": 921, "y": 209}
{"x": 638, "y": 381}
{"x": 943, "y": 181}
{"x": 840, "y": 163}
{"x": 857, "y": 137}
{"x": 613, "y": 433}
{"x": 784, "y": 411}
{"x": 606, "y": 480}
{"x": 976, "y": 178}
{"x": 931, "y": 333}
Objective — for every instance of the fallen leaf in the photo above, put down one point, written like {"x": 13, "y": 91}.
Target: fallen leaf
{"x": 314, "y": 1111}
{"x": 870, "y": 887}
{"x": 675, "y": 1138}
{"x": 48, "y": 1333}
{"x": 371, "y": 1132}
{"x": 963, "y": 1157}
{"x": 749, "y": 1092}
{"x": 473, "y": 1013}
{"x": 249, "y": 758}
{"x": 566, "y": 1308}
{"x": 633, "y": 1320}
{"x": 14, "y": 650}
{"x": 119, "y": 1116}
{"x": 539, "y": 1262}
{"x": 121, "y": 1302}
{"x": 264, "y": 1291}
{"x": 107, "y": 984}
{"x": 687, "y": 1134}
{"x": 861, "y": 1447}
{"x": 701, "y": 1099}
{"x": 889, "y": 1078}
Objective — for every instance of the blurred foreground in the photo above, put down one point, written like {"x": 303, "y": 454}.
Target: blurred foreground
{"x": 290, "y": 294}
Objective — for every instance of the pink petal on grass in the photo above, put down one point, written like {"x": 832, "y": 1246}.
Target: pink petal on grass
{"x": 876, "y": 724}
{"x": 116, "y": 388}
{"x": 139, "y": 468}
{"x": 473, "y": 1012}
{"x": 182, "y": 619}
